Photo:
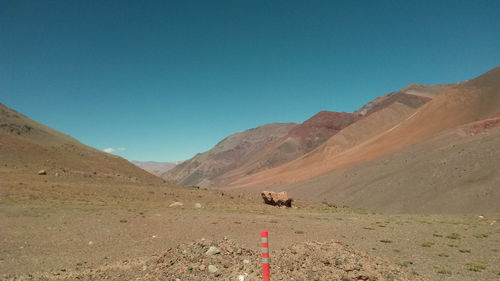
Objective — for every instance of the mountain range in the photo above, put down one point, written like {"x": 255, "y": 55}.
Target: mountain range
{"x": 424, "y": 147}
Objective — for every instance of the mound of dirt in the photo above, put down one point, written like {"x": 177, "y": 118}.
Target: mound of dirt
{"x": 225, "y": 260}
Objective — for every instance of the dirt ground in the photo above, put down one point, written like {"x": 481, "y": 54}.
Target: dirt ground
{"x": 57, "y": 225}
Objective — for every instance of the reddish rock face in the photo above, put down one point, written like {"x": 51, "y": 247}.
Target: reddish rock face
{"x": 320, "y": 127}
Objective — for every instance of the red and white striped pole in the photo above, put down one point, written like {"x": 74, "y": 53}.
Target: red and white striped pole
{"x": 265, "y": 255}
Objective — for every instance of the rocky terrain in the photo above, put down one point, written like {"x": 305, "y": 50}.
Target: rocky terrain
{"x": 225, "y": 260}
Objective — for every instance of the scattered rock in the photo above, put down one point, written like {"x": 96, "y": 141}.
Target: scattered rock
{"x": 212, "y": 251}
{"x": 42, "y": 173}
{"x": 311, "y": 261}
{"x": 197, "y": 205}
{"x": 212, "y": 268}
{"x": 175, "y": 204}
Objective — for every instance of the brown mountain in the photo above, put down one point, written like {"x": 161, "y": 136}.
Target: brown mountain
{"x": 298, "y": 141}
{"x": 395, "y": 168}
{"x": 228, "y": 154}
{"x": 380, "y": 114}
{"x": 155, "y": 168}
{"x": 458, "y": 104}
{"x": 455, "y": 171}
{"x": 27, "y": 147}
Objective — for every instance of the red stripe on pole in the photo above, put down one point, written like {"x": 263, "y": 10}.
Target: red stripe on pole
{"x": 265, "y": 265}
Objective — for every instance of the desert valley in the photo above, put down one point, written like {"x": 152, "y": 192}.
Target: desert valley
{"x": 407, "y": 187}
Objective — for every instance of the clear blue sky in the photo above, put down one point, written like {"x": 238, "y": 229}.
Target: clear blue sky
{"x": 167, "y": 79}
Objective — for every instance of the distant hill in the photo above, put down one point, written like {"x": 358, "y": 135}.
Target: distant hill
{"x": 228, "y": 154}
{"x": 155, "y": 168}
{"x": 27, "y": 147}
{"x": 301, "y": 139}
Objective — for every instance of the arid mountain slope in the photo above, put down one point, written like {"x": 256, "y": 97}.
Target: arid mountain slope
{"x": 155, "y": 168}
{"x": 299, "y": 141}
{"x": 458, "y": 104}
{"x": 455, "y": 171}
{"x": 413, "y": 95}
{"x": 381, "y": 115}
{"x": 27, "y": 146}
{"x": 374, "y": 118}
{"x": 228, "y": 154}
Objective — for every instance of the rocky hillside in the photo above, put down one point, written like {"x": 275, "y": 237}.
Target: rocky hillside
{"x": 341, "y": 130}
{"x": 441, "y": 157}
{"x": 458, "y": 104}
{"x": 228, "y": 154}
{"x": 300, "y": 140}
{"x": 27, "y": 147}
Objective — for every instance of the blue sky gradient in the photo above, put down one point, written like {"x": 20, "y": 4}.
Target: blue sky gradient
{"x": 168, "y": 79}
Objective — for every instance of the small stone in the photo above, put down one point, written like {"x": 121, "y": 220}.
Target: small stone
{"x": 91, "y": 243}
{"x": 144, "y": 267}
{"x": 246, "y": 261}
{"x": 197, "y": 206}
{"x": 202, "y": 267}
{"x": 212, "y": 251}
{"x": 212, "y": 268}
{"x": 42, "y": 173}
{"x": 175, "y": 204}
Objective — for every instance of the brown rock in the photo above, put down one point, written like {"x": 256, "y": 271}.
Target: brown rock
{"x": 276, "y": 198}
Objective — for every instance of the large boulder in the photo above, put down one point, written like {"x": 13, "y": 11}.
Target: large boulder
{"x": 276, "y": 198}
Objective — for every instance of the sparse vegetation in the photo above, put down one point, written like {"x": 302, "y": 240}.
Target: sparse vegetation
{"x": 453, "y": 236}
{"x": 437, "y": 235}
{"x": 480, "y": 235}
{"x": 427, "y": 244}
{"x": 405, "y": 263}
{"x": 444, "y": 255}
{"x": 474, "y": 266}
{"x": 464, "y": 251}
{"x": 299, "y": 231}
{"x": 444, "y": 271}
{"x": 396, "y": 250}
{"x": 385, "y": 240}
